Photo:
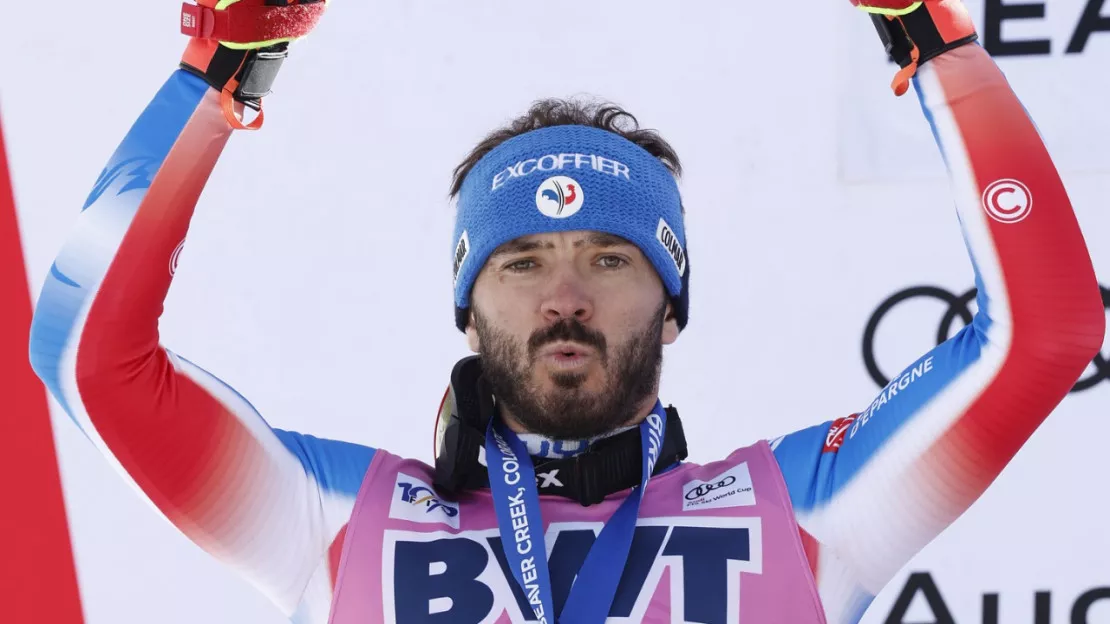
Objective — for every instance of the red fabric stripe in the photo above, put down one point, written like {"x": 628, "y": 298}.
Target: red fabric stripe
{"x": 812, "y": 549}
{"x": 335, "y": 554}
{"x": 951, "y": 19}
{"x": 1055, "y": 305}
{"x": 38, "y": 582}
{"x": 196, "y": 461}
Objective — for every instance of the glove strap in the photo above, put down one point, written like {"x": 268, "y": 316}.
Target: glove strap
{"x": 242, "y": 77}
{"x": 923, "y": 34}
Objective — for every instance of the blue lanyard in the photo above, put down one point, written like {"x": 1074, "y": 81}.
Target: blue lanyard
{"x": 516, "y": 501}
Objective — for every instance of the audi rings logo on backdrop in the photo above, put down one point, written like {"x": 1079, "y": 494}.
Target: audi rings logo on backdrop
{"x": 958, "y": 306}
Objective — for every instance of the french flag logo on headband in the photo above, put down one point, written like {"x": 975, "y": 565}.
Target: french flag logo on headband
{"x": 559, "y": 197}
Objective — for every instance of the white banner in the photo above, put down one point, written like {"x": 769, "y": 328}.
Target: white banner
{"x": 317, "y": 277}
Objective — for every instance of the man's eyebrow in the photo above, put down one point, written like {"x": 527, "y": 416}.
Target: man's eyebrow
{"x": 601, "y": 239}
{"x": 519, "y": 246}
{"x": 525, "y": 245}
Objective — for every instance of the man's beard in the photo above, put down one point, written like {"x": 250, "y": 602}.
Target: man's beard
{"x": 570, "y": 412}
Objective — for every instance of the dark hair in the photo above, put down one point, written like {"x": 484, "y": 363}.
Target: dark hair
{"x": 560, "y": 112}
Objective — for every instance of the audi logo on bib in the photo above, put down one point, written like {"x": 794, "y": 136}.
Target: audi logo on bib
{"x": 955, "y": 306}
{"x": 706, "y": 488}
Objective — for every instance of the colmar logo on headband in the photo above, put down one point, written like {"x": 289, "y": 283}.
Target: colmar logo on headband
{"x": 670, "y": 242}
{"x": 559, "y": 197}
{"x": 462, "y": 250}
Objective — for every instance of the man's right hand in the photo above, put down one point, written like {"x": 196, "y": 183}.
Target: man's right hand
{"x": 238, "y": 46}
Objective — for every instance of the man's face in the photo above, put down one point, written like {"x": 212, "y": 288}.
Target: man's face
{"x": 571, "y": 328}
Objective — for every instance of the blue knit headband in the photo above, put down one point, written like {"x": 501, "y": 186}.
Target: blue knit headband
{"x": 566, "y": 178}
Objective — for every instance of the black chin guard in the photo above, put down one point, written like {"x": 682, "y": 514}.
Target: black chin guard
{"x": 610, "y": 465}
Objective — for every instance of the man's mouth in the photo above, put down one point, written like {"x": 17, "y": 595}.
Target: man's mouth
{"x": 566, "y": 356}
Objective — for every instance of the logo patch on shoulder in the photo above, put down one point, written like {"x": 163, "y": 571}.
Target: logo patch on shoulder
{"x": 837, "y": 430}
{"x": 416, "y": 501}
{"x": 732, "y": 488}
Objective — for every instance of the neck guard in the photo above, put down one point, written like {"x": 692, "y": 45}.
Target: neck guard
{"x": 608, "y": 466}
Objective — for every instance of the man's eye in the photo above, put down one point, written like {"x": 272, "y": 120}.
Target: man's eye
{"x": 611, "y": 262}
{"x": 520, "y": 265}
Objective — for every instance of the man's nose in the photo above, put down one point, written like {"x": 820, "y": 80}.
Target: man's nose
{"x": 567, "y": 298}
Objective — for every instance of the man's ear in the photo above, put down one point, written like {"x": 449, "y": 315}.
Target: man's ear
{"x": 670, "y": 326}
{"x": 472, "y": 335}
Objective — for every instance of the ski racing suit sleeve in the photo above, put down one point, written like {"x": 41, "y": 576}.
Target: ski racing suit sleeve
{"x": 268, "y": 503}
{"x": 934, "y": 439}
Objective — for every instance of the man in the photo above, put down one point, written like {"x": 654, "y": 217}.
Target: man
{"x": 571, "y": 273}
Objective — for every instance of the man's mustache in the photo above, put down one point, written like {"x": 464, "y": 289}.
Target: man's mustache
{"x": 568, "y": 330}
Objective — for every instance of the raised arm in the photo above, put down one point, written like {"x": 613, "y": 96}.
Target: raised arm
{"x": 872, "y": 489}
{"x": 268, "y": 503}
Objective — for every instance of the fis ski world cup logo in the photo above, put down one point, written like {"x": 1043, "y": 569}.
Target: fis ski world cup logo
{"x": 559, "y": 197}
{"x": 416, "y": 501}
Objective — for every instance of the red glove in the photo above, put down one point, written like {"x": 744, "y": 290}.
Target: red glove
{"x": 238, "y": 46}
{"x": 916, "y": 31}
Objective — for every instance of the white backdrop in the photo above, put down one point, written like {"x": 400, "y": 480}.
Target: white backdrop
{"x": 316, "y": 279}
